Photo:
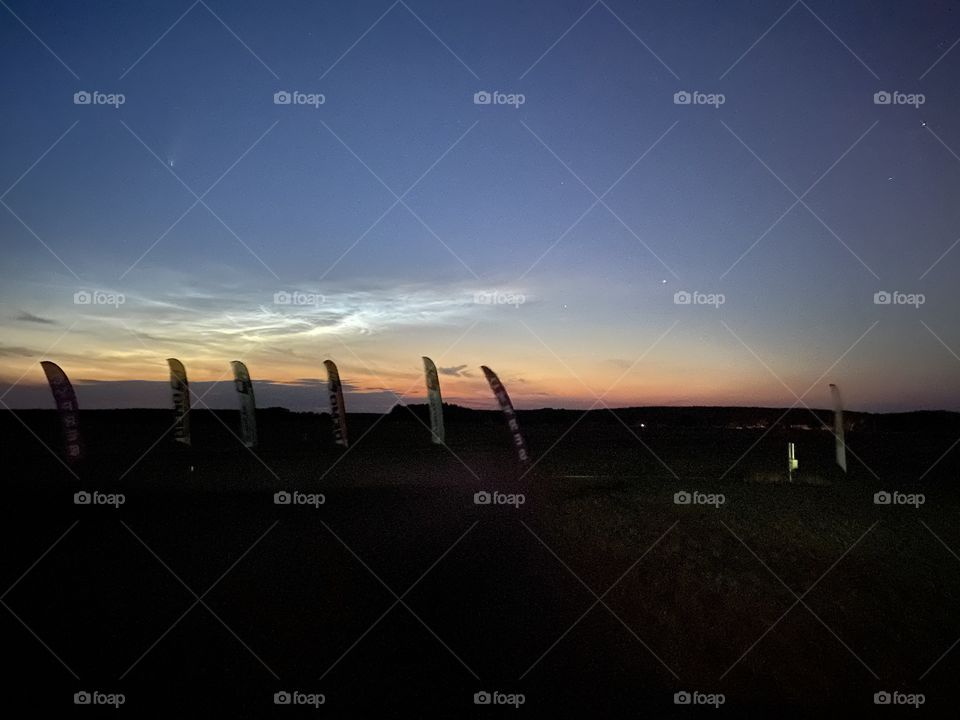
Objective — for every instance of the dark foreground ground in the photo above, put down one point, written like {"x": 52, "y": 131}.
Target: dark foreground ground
{"x": 399, "y": 596}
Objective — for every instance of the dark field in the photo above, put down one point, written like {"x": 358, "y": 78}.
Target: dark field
{"x": 400, "y": 596}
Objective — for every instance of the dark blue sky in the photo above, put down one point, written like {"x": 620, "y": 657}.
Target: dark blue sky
{"x": 502, "y": 202}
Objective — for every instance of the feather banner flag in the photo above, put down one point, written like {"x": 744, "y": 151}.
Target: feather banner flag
{"x": 181, "y": 400}
{"x": 66, "y": 401}
{"x": 504, "y": 399}
{"x": 434, "y": 400}
{"x": 338, "y": 411}
{"x": 841, "y": 447}
{"x": 248, "y": 405}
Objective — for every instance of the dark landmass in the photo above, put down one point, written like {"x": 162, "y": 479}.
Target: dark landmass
{"x": 500, "y": 597}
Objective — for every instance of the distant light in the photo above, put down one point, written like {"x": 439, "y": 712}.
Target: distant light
{"x": 643, "y": 425}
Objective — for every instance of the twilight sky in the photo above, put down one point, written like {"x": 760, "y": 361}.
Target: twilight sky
{"x": 547, "y": 239}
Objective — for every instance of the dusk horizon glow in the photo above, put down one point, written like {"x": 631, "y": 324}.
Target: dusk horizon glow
{"x": 556, "y": 191}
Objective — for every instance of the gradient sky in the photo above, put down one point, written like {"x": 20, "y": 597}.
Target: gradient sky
{"x": 492, "y": 198}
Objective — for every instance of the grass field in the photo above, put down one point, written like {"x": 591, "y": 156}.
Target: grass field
{"x": 399, "y": 594}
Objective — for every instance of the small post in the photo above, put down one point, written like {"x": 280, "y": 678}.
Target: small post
{"x": 792, "y": 462}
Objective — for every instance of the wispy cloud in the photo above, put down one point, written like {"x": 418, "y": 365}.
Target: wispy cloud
{"x": 31, "y": 318}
